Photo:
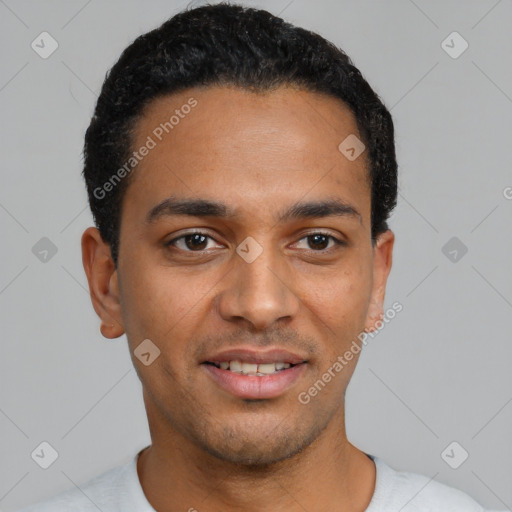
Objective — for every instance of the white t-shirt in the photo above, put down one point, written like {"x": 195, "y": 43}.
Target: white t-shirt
{"x": 119, "y": 490}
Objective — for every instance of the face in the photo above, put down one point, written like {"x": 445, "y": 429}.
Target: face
{"x": 245, "y": 241}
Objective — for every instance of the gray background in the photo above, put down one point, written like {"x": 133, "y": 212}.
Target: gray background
{"x": 439, "y": 372}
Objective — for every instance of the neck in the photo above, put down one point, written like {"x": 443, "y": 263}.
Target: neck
{"x": 330, "y": 474}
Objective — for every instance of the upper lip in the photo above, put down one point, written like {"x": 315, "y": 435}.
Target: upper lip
{"x": 252, "y": 355}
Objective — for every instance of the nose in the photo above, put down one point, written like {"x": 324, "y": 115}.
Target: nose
{"x": 260, "y": 292}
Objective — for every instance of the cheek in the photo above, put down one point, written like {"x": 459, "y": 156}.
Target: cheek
{"x": 340, "y": 299}
{"x": 161, "y": 302}
{"x": 147, "y": 300}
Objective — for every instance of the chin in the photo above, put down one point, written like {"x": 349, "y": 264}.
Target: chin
{"x": 259, "y": 451}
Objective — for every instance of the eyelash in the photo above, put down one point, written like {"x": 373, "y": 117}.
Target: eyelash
{"x": 336, "y": 241}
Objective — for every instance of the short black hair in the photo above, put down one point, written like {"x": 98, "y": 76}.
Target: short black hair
{"x": 227, "y": 45}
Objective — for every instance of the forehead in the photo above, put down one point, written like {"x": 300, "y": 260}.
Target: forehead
{"x": 247, "y": 149}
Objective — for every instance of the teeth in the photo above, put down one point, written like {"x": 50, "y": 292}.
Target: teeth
{"x": 235, "y": 366}
{"x": 267, "y": 368}
{"x": 249, "y": 368}
{"x": 253, "y": 368}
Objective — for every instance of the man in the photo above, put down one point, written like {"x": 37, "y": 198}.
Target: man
{"x": 241, "y": 172}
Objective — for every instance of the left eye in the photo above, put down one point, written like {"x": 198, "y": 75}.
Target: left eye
{"x": 320, "y": 241}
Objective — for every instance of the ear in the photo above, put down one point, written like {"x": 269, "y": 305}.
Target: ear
{"x": 382, "y": 261}
{"x": 103, "y": 285}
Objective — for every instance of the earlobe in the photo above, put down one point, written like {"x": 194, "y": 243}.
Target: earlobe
{"x": 102, "y": 278}
{"x": 375, "y": 314}
{"x": 111, "y": 331}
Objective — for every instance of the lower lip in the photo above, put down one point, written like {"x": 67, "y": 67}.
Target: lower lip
{"x": 253, "y": 387}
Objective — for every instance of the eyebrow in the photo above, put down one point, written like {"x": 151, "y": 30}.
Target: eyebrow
{"x": 196, "y": 207}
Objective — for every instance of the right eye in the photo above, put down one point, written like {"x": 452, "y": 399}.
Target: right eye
{"x": 191, "y": 242}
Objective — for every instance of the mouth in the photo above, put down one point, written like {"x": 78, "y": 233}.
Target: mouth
{"x": 255, "y": 375}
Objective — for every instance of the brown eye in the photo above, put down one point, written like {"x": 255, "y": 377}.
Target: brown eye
{"x": 195, "y": 241}
{"x": 191, "y": 242}
{"x": 319, "y": 242}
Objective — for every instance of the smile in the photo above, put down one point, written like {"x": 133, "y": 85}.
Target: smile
{"x": 255, "y": 381}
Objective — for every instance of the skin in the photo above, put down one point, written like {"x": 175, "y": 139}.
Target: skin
{"x": 258, "y": 153}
